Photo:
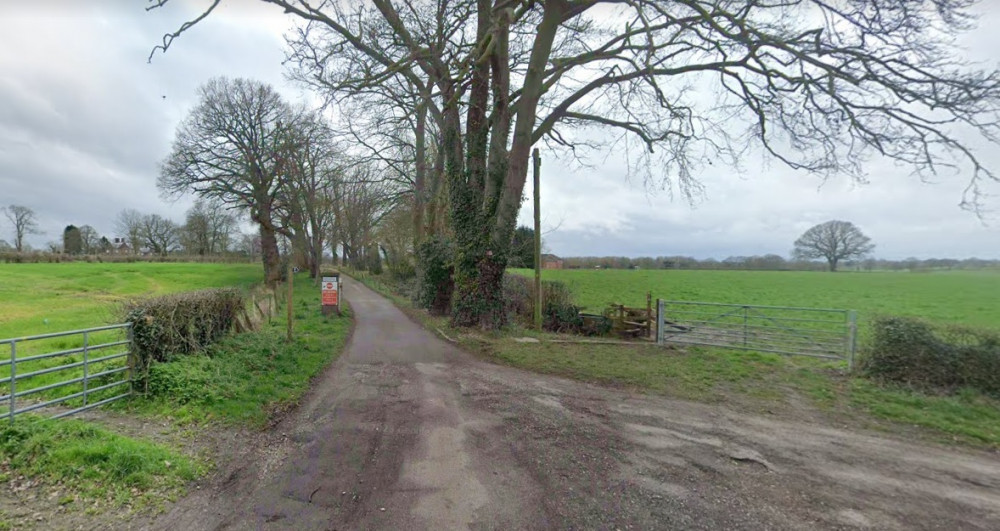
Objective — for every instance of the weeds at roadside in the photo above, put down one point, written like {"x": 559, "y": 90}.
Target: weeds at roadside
{"x": 75, "y": 458}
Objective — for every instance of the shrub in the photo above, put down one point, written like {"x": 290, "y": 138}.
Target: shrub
{"x": 562, "y": 318}
{"x": 559, "y": 314}
{"x": 942, "y": 358}
{"x": 401, "y": 270}
{"x": 184, "y": 323}
{"x": 434, "y": 276}
{"x": 517, "y": 298}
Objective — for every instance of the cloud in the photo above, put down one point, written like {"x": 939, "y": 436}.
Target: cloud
{"x": 84, "y": 122}
{"x": 599, "y": 212}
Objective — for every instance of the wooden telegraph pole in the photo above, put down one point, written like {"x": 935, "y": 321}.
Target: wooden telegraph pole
{"x": 291, "y": 282}
{"x": 537, "y": 159}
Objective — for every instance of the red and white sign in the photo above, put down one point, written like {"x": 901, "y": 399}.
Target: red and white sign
{"x": 330, "y": 291}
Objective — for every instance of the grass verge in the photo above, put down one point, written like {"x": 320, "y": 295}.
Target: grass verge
{"x": 245, "y": 379}
{"x": 77, "y": 459}
{"x": 747, "y": 380}
{"x": 758, "y": 381}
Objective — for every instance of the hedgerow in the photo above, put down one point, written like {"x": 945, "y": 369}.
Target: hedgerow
{"x": 180, "y": 324}
{"x": 941, "y": 358}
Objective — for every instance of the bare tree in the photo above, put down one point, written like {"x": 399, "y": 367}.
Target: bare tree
{"x": 389, "y": 120}
{"x": 361, "y": 202}
{"x": 228, "y": 149}
{"x": 24, "y": 222}
{"x": 248, "y": 244}
{"x": 395, "y": 237}
{"x": 833, "y": 241}
{"x": 207, "y": 229}
{"x": 90, "y": 240}
{"x": 819, "y": 86}
{"x": 312, "y": 165}
{"x": 160, "y": 234}
{"x": 128, "y": 225}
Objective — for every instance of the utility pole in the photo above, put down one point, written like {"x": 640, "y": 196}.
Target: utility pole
{"x": 537, "y": 159}
{"x": 290, "y": 304}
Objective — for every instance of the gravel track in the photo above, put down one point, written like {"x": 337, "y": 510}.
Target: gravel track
{"x": 405, "y": 431}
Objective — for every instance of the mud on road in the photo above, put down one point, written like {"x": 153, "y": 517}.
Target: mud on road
{"x": 407, "y": 432}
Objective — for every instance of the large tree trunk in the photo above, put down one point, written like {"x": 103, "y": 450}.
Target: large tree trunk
{"x": 486, "y": 199}
{"x": 420, "y": 179}
{"x": 474, "y": 304}
{"x": 317, "y": 257}
{"x": 438, "y": 201}
{"x": 270, "y": 255}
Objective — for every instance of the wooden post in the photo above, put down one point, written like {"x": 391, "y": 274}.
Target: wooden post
{"x": 537, "y": 159}
{"x": 660, "y": 306}
{"x": 291, "y": 283}
{"x": 649, "y": 313}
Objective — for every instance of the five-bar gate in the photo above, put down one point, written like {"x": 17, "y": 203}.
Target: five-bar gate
{"x": 817, "y": 332}
{"x": 91, "y": 367}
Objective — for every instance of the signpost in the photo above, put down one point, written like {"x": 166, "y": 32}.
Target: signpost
{"x": 330, "y": 291}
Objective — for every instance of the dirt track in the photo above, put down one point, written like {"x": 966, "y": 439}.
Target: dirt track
{"x": 406, "y": 432}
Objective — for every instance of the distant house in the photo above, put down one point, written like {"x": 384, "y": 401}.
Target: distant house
{"x": 551, "y": 261}
{"x": 120, "y": 246}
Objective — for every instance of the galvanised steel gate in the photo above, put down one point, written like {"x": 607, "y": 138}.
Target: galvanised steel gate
{"x": 91, "y": 368}
{"x": 817, "y": 332}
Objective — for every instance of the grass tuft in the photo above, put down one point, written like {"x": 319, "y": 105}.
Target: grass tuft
{"x": 94, "y": 462}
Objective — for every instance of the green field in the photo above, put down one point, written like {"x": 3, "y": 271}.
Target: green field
{"x": 49, "y": 298}
{"x": 44, "y": 298}
{"x": 957, "y": 297}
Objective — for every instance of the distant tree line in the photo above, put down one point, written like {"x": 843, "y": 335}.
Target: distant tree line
{"x": 773, "y": 262}
{"x": 208, "y": 229}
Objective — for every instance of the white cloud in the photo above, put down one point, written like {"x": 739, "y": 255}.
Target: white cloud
{"x": 84, "y": 121}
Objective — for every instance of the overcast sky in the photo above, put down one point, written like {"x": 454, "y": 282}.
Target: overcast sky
{"x": 84, "y": 122}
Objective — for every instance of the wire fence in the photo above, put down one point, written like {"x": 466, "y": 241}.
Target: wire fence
{"x": 87, "y": 369}
{"x": 816, "y": 332}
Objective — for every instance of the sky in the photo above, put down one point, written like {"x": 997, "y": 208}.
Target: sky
{"x": 85, "y": 122}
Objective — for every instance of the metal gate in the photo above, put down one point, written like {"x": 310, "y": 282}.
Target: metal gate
{"x": 817, "y": 332}
{"x": 89, "y": 373}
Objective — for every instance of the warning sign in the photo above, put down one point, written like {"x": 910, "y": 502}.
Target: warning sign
{"x": 330, "y": 292}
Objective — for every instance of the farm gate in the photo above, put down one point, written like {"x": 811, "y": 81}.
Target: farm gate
{"x": 91, "y": 372}
{"x": 816, "y": 332}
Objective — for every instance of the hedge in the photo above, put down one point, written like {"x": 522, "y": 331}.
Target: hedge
{"x": 931, "y": 357}
{"x": 180, "y": 324}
